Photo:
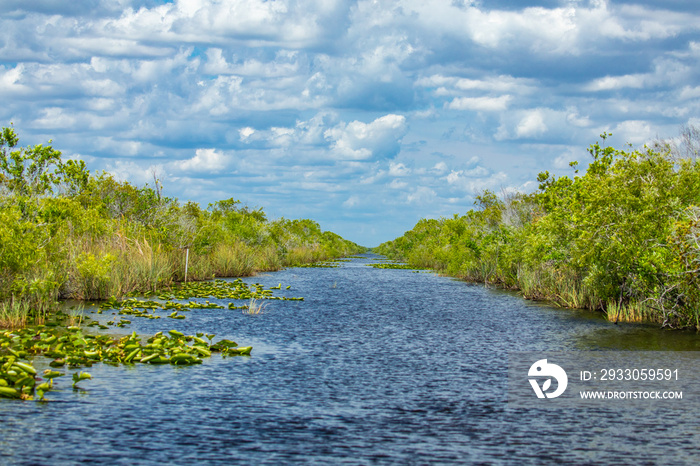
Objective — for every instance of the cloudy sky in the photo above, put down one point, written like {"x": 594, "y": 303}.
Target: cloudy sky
{"x": 362, "y": 115}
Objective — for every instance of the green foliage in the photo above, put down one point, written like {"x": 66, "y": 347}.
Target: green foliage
{"x": 65, "y": 232}
{"x": 623, "y": 236}
{"x": 93, "y": 273}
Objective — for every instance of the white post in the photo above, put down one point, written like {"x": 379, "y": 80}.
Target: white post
{"x": 187, "y": 261}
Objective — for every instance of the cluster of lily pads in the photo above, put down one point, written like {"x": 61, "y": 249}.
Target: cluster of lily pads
{"x": 394, "y": 265}
{"x": 70, "y": 347}
{"x": 218, "y": 289}
{"x": 322, "y": 265}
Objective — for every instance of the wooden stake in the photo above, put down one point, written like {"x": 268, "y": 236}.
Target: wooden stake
{"x": 187, "y": 262}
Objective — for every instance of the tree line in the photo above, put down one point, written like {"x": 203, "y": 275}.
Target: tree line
{"x": 68, "y": 233}
{"x": 622, "y": 237}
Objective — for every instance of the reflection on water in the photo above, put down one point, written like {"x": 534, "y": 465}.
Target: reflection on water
{"x": 375, "y": 365}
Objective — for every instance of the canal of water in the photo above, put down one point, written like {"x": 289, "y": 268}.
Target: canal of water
{"x": 374, "y": 366}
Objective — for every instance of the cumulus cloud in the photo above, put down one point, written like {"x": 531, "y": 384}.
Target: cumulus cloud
{"x": 544, "y": 124}
{"x": 204, "y": 160}
{"x": 398, "y": 169}
{"x": 368, "y": 141}
{"x": 531, "y": 124}
{"x": 634, "y": 131}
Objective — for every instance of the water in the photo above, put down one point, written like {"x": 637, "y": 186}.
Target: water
{"x": 375, "y": 366}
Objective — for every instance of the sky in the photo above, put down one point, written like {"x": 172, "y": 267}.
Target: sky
{"x": 365, "y": 116}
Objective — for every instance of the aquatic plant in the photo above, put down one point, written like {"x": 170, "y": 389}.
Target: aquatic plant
{"x": 70, "y": 347}
{"x": 392, "y": 265}
{"x": 254, "y": 308}
{"x": 14, "y": 314}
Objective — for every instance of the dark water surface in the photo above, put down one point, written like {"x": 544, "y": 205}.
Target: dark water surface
{"x": 375, "y": 366}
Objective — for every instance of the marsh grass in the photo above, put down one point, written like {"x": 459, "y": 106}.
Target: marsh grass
{"x": 254, "y": 307}
{"x": 114, "y": 267}
{"x": 629, "y": 312}
{"x": 76, "y": 314}
{"x": 232, "y": 260}
{"x": 301, "y": 255}
{"x": 14, "y": 314}
{"x": 268, "y": 259}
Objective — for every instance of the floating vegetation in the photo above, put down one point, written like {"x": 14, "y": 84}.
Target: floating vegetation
{"x": 329, "y": 264}
{"x": 322, "y": 265}
{"x": 65, "y": 343}
{"x": 221, "y": 289}
{"x": 218, "y": 289}
{"x": 393, "y": 265}
{"x": 70, "y": 347}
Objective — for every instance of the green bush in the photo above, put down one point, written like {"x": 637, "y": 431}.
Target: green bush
{"x": 624, "y": 235}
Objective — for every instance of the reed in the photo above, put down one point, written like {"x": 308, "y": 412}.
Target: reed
{"x": 299, "y": 255}
{"x": 232, "y": 260}
{"x": 633, "y": 311}
{"x": 267, "y": 259}
{"x": 14, "y": 314}
{"x": 254, "y": 307}
{"x": 76, "y": 315}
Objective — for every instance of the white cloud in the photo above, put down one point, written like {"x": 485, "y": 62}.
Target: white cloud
{"x": 134, "y": 172}
{"x": 487, "y": 104}
{"x": 634, "y": 131}
{"x": 541, "y": 123}
{"x": 397, "y": 184}
{"x": 365, "y": 141}
{"x": 460, "y": 177}
{"x": 55, "y": 118}
{"x": 10, "y": 81}
{"x": 440, "y": 167}
{"x": 352, "y": 201}
{"x": 421, "y": 195}
{"x": 635, "y": 81}
{"x": 573, "y": 118}
{"x": 532, "y": 124}
{"x": 246, "y": 133}
{"x": 398, "y": 169}
{"x": 205, "y": 160}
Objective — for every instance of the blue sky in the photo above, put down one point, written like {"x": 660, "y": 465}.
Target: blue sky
{"x": 362, "y": 115}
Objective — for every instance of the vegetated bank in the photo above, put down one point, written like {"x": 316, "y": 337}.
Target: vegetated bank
{"x": 69, "y": 233}
{"x": 624, "y": 237}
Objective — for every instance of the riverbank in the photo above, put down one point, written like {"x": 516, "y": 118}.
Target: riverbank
{"x": 67, "y": 233}
{"x": 623, "y": 238}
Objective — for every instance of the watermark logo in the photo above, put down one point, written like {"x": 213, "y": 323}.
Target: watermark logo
{"x": 551, "y": 371}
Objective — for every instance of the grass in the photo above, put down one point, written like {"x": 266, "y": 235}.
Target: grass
{"x": 232, "y": 260}
{"x": 629, "y": 312}
{"x": 14, "y": 314}
{"x": 76, "y": 315}
{"x": 97, "y": 269}
{"x": 254, "y": 308}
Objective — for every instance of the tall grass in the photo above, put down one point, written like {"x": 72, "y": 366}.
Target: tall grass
{"x": 616, "y": 311}
{"x": 14, "y": 314}
{"x": 267, "y": 259}
{"x": 100, "y": 269}
{"x": 232, "y": 260}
